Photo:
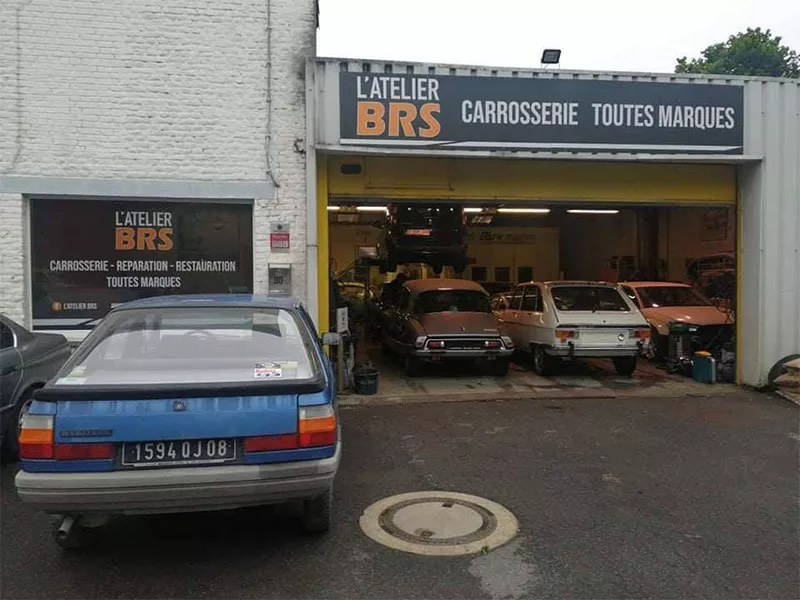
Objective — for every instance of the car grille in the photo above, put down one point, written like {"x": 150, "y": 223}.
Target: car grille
{"x": 464, "y": 344}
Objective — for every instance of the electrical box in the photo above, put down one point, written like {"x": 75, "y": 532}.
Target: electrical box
{"x": 280, "y": 279}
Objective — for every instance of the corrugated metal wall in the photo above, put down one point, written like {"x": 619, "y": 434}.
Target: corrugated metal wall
{"x": 769, "y": 189}
{"x": 769, "y": 308}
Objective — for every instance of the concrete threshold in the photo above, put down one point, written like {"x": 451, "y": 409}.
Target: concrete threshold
{"x": 548, "y": 393}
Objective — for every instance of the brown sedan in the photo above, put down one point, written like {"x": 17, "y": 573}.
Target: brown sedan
{"x": 435, "y": 320}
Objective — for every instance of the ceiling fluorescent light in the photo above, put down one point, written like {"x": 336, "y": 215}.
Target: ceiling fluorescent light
{"x": 473, "y": 209}
{"x": 540, "y": 211}
{"x": 592, "y": 211}
{"x": 334, "y": 208}
{"x": 371, "y": 208}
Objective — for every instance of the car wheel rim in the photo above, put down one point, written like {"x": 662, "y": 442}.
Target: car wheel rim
{"x": 23, "y": 410}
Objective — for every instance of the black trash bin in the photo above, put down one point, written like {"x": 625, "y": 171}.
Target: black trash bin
{"x": 365, "y": 381}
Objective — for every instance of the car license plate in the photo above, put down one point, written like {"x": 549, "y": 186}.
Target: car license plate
{"x": 178, "y": 452}
{"x": 418, "y": 232}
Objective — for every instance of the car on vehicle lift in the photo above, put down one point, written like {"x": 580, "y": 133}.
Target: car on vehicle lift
{"x": 663, "y": 303}
{"x": 28, "y": 360}
{"x": 434, "y": 321}
{"x": 185, "y": 403}
{"x": 565, "y": 320}
{"x": 434, "y": 234}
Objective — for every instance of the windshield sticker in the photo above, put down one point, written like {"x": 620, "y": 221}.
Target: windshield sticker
{"x": 71, "y": 381}
{"x": 270, "y": 370}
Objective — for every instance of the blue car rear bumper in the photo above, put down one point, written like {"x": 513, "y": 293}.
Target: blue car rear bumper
{"x": 186, "y": 489}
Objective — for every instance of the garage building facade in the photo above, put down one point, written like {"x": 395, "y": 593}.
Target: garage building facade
{"x": 388, "y": 132}
{"x": 147, "y": 149}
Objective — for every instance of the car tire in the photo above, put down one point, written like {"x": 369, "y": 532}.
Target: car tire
{"x": 543, "y": 363}
{"x": 625, "y": 365}
{"x": 317, "y": 513}
{"x": 413, "y": 366}
{"x": 11, "y": 434}
{"x": 499, "y": 367}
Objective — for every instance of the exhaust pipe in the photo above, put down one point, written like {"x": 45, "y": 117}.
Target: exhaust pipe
{"x": 63, "y": 531}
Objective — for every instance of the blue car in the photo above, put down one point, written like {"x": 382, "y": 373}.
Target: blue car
{"x": 185, "y": 403}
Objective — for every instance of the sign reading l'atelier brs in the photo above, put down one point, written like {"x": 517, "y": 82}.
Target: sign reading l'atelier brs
{"x": 540, "y": 114}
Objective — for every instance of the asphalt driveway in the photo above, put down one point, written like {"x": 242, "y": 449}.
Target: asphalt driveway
{"x": 616, "y": 498}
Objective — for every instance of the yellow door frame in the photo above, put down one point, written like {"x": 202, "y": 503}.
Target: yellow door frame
{"x": 323, "y": 246}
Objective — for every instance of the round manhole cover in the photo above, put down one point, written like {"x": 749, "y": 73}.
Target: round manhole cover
{"x": 438, "y": 523}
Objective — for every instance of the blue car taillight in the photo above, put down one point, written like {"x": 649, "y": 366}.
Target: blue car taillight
{"x": 316, "y": 426}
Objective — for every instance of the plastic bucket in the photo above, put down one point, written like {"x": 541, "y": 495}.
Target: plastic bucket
{"x": 365, "y": 381}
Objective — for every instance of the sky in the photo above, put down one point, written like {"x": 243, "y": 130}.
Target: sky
{"x": 608, "y": 35}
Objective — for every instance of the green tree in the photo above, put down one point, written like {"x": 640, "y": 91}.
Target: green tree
{"x": 754, "y": 52}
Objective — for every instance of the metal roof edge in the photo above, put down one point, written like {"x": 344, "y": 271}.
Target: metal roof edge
{"x": 525, "y": 155}
{"x": 563, "y": 72}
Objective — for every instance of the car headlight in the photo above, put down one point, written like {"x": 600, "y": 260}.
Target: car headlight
{"x": 420, "y": 342}
{"x": 507, "y": 341}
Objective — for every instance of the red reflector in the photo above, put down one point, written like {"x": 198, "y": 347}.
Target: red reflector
{"x": 35, "y": 450}
{"x": 319, "y": 438}
{"x": 82, "y": 451}
{"x": 435, "y": 344}
{"x": 492, "y": 344}
{"x": 264, "y": 443}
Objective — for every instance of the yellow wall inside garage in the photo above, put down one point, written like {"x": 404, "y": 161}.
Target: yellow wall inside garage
{"x": 487, "y": 179}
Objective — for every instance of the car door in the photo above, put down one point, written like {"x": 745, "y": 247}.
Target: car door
{"x": 531, "y": 316}
{"x": 10, "y": 365}
{"x": 511, "y": 316}
{"x": 400, "y": 330}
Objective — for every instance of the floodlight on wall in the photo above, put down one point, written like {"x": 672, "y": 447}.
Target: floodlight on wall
{"x": 551, "y": 56}
{"x": 523, "y": 211}
{"x": 592, "y": 211}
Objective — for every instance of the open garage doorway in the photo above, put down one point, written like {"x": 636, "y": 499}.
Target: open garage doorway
{"x": 674, "y": 261}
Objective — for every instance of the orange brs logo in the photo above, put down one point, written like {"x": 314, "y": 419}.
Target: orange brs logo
{"x": 397, "y": 107}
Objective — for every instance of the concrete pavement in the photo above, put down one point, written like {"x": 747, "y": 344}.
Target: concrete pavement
{"x": 616, "y": 497}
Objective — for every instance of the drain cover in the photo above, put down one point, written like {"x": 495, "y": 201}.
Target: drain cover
{"x": 438, "y": 523}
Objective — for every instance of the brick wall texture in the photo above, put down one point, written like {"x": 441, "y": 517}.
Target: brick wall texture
{"x": 155, "y": 89}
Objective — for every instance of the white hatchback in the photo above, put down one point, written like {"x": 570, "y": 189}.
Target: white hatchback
{"x": 564, "y": 320}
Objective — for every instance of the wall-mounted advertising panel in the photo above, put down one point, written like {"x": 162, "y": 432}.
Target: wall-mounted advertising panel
{"x": 452, "y": 112}
{"x": 87, "y": 256}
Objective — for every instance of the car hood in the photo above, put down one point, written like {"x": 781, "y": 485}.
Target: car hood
{"x": 459, "y": 323}
{"x": 701, "y": 315}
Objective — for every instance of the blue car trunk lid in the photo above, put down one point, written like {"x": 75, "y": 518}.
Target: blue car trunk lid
{"x": 133, "y": 420}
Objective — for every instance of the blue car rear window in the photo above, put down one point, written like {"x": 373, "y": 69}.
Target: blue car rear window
{"x": 193, "y": 345}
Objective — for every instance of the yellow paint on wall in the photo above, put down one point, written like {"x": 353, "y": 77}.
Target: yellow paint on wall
{"x": 490, "y": 179}
{"x": 323, "y": 267}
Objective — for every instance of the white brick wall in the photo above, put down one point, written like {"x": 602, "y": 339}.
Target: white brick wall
{"x": 156, "y": 89}
{"x": 13, "y": 301}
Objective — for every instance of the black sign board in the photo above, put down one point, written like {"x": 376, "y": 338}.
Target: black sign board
{"x": 540, "y": 114}
{"x": 89, "y": 255}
